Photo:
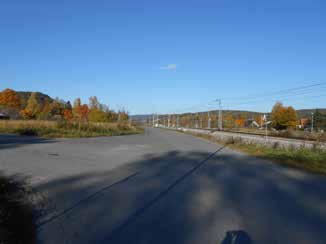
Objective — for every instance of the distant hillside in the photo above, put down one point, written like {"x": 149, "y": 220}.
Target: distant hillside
{"x": 307, "y": 112}
{"x": 41, "y": 98}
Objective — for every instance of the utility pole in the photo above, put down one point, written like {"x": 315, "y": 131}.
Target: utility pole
{"x": 312, "y": 122}
{"x": 220, "y": 119}
{"x": 196, "y": 121}
{"x": 265, "y": 118}
{"x": 177, "y": 121}
{"x": 153, "y": 120}
{"x": 209, "y": 121}
{"x": 169, "y": 119}
{"x": 157, "y": 120}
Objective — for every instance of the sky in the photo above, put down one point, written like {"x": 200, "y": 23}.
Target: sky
{"x": 166, "y": 56}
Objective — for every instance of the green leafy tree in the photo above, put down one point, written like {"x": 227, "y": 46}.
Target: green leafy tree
{"x": 320, "y": 120}
{"x": 68, "y": 106}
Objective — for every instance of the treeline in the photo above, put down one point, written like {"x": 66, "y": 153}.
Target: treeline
{"x": 280, "y": 118}
{"x": 12, "y": 105}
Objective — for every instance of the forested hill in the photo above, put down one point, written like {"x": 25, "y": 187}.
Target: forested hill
{"x": 302, "y": 113}
{"x": 307, "y": 112}
{"x": 41, "y": 98}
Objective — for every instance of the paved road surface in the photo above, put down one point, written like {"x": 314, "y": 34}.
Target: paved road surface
{"x": 163, "y": 187}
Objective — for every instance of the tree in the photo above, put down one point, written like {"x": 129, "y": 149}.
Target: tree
{"x": 68, "y": 106}
{"x": 240, "y": 122}
{"x": 228, "y": 121}
{"x": 97, "y": 111}
{"x": 320, "y": 120}
{"x": 77, "y": 103}
{"x": 32, "y": 108}
{"x": 75, "y": 108}
{"x": 123, "y": 115}
{"x": 45, "y": 111}
{"x": 10, "y": 98}
{"x": 56, "y": 109}
{"x": 83, "y": 112}
{"x": 94, "y": 103}
{"x": 67, "y": 115}
{"x": 283, "y": 117}
{"x": 97, "y": 115}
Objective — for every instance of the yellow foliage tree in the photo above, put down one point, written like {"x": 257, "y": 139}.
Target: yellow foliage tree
{"x": 32, "y": 108}
{"x": 283, "y": 117}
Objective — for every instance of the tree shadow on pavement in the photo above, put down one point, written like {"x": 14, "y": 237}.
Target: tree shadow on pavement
{"x": 184, "y": 197}
{"x": 16, "y": 213}
{"x": 11, "y": 141}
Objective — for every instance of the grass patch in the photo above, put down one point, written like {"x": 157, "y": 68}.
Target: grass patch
{"x": 313, "y": 160}
{"x": 309, "y": 159}
{"x": 53, "y": 129}
{"x": 16, "y": 218}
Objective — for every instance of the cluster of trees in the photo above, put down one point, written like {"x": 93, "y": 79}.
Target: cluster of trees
{"x": 281, "y": 117}
{"x": 57, "y": 109}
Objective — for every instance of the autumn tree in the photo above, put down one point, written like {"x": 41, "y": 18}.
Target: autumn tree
{"x": 123, "y": 115}
{"x": 241, "y": 122}
{"x": 45, "y": 111}
{"x": 32, "y": 108}
{"x": 83, "y": 112}
{"x": 10, "y": 98}
{"x": 57, "y": 107}
{"x": 283, "y": 117}
{"x": 94, "y": 103}
{"x": 96, "y": 111}
{"x": 75, "y": 108}
{"x": 228, "y": 121}
{"x": 67, "y": 114}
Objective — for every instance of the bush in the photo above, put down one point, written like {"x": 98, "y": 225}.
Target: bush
{"x": 27, "y": 132}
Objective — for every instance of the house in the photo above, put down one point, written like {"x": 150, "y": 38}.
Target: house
{"x": 3, "y": 116}
{"x": 304, "y": 122}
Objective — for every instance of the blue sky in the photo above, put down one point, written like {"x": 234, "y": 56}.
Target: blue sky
{"x": 164, "y": 56}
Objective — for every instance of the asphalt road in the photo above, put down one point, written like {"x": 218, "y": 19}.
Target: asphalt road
{"x": 163, "y": 187}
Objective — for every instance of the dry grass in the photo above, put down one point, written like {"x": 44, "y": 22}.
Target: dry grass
{"x": 54, "y": 129}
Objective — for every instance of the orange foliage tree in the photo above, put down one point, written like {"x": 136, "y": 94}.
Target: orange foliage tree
{"x": 283, "y": 117}
{"x": 83, "y": 112}
{"x": 240, "y": 122}
{"x": 67, "y": 115}
{"x": 10, "y": 99}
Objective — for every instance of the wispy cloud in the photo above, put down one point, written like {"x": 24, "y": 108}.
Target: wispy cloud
{"x": 169, "y": 67}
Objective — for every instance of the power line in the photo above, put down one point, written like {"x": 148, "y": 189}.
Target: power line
{"x": 275, "y": 92}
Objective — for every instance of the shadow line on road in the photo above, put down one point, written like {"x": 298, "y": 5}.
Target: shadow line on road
{"x": 149, "y": 204}
{"x": 84, "y": 200}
